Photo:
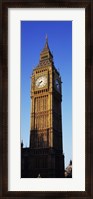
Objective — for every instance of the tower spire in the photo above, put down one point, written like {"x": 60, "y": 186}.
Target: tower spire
{"x": 45, "y": 53}
{"x": 46, "y": 38}
{"x": 46, "y": 43}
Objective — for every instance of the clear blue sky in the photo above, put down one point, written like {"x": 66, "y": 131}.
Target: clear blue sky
{"x": 60, "y": 43}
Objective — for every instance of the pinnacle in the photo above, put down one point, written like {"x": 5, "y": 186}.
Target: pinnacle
{"x": 46, "y": 43}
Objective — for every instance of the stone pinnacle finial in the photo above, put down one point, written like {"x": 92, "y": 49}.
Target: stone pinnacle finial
{"x": 46, "y": 38}
{"x": 46, "y": 43}
{"x": 22, "y": 144}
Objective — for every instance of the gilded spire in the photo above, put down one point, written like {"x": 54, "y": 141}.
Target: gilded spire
{"x": 45, "y": 53}
{"x": 46, "y": 38}
{"x": 46, "y": 44}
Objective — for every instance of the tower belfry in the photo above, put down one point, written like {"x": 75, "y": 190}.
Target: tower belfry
{"x": 46, "y": 146}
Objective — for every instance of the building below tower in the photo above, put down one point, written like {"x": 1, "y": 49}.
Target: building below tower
{"x": 47, "y": 163}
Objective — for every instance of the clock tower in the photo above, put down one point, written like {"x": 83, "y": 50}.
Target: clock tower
{"x": 46, "y": 144}
{"x": 44, "y": 158}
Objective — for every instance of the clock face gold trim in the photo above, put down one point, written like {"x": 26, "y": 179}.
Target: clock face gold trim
{"x": 41, "y": 81}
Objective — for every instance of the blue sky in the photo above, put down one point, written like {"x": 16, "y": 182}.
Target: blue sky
{"x": 60, "y": 42}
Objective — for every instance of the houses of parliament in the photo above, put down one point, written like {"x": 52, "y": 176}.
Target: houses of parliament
{"x": 44, "y": 157}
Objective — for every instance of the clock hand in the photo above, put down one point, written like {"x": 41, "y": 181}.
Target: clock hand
{"x": 39, "y": 83}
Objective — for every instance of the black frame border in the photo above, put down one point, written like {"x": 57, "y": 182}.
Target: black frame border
{"x": 88, "y": 5}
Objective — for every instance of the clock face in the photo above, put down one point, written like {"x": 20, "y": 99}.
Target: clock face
{"x": 57, "y": 85}
{"x": 41, "y": 81}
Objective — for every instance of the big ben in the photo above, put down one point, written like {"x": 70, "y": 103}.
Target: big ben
{"x": 46, "y": 158}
